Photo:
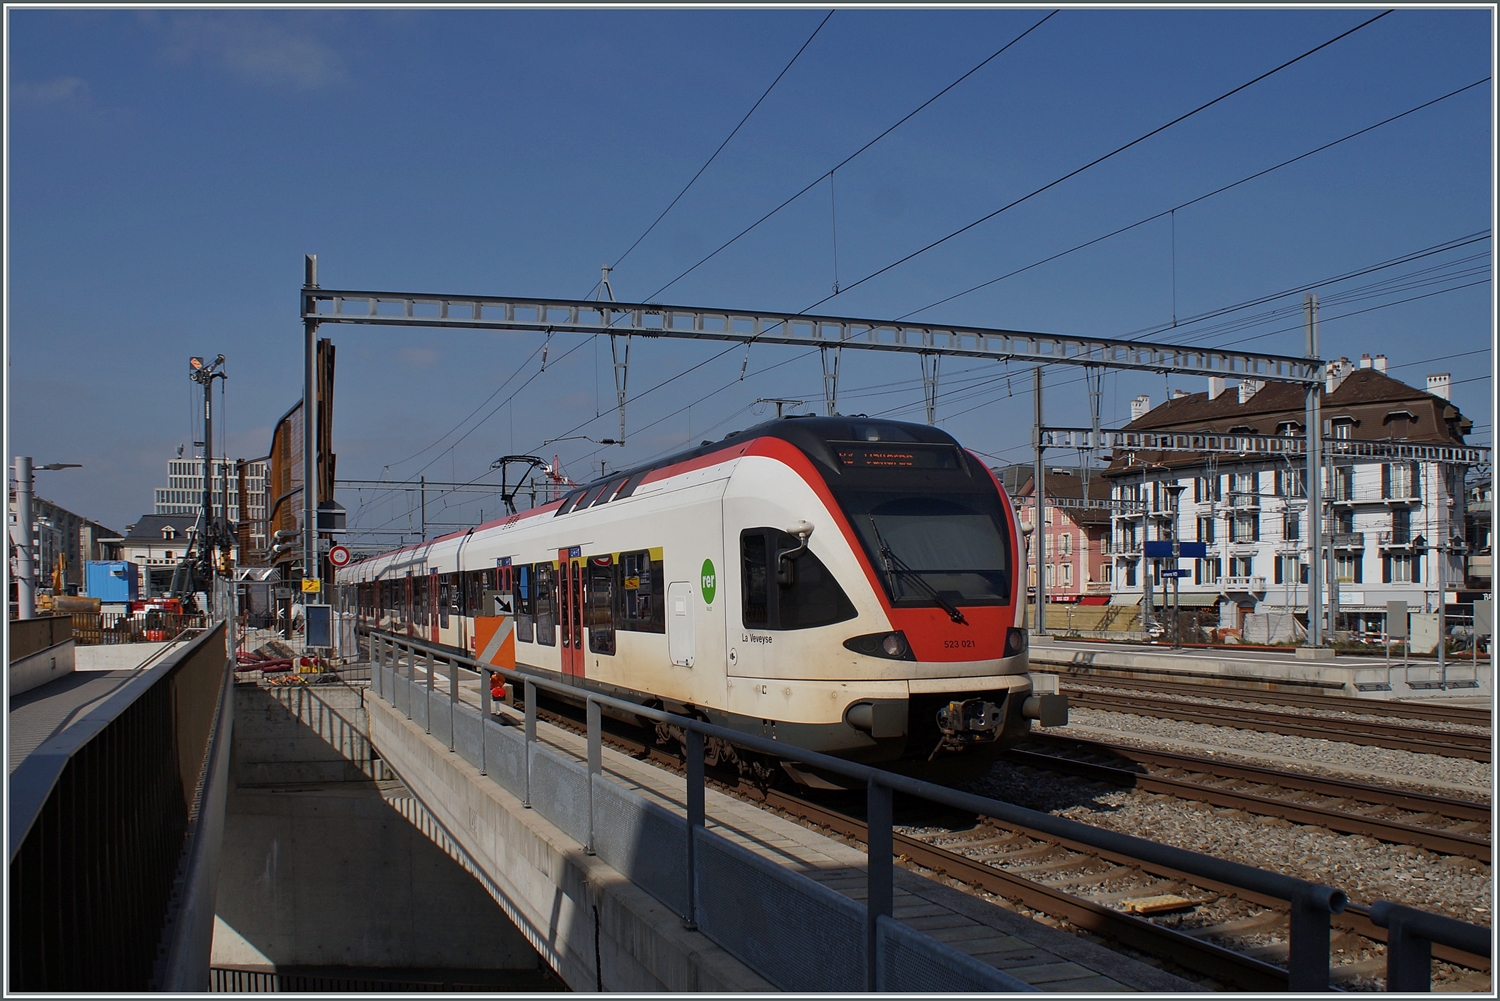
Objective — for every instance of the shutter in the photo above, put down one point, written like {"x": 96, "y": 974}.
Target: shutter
{"x": 1385, "y": 569}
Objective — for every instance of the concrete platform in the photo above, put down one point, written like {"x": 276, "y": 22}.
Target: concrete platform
{"x": 41, "y": 713}
{"x": 646, "y": 936}
{"x": 1357, "y": 677}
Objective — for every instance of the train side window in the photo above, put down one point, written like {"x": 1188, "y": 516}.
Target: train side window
{"x": 599, "y": 604}
{"x": 756, "y": 613}
{"x": 631, "y": 484}
{"x": 801, "y": 596}
{"x": 546, "y": 614}
{"x": 474, "y": 587}
{"x": 568, "y": 502}
{"x": 525, "y": 605}
{"x": 640, "y": 589}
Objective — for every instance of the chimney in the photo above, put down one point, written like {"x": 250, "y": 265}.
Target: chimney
{"x": 1437, "y": 385}
{"x": 1249, "y": 388}
{"x": 1380, "y": 363}
{"x": 1364, "y": 362}
{"x": 1337, "y": 371}
{"x": 1140, "y": 405}
{"x": 1178, "y": 394}
{"x": 1215, "y": 386}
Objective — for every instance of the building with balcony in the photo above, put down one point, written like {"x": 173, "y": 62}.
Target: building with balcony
{"x": 1479, "y": 502}
{"x": 58, "y": 532}
{"x": 1393, "y": 529}
{"x": 1078, "y": 563}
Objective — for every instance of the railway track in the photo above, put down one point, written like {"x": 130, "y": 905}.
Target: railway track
{"x": 1216, "y": 930}
{"x": 1436, "y": 823}
{"x": 1452, "y": 744}
{"x": 1428, "y": 712}
{"x": 1239, "y": 942}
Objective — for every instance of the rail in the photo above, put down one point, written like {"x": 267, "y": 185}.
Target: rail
{"x": 1312, "y": 905}
{"x": 115, "y": 824}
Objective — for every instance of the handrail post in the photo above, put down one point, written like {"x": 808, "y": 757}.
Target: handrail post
{"x": 428, "y": 664}
{"x": 452, "y": 703}
{"x": 530, "y": 737}
{"x": 484, "y": 720}
{"x": 695, "y": 821}
{"x": 1408, "y": 958}
{"x": 377, "y": 661}
{"x": 595, "y": 764}
{"x": 411, "y": 677}
{"x": 880, "y": 888}
{"x": 1307, "y": 960}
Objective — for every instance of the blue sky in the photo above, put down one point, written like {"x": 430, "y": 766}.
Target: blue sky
{"x": 168, "y": 170}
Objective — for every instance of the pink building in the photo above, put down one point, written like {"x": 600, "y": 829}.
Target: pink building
{"x": 1078, "y": 563}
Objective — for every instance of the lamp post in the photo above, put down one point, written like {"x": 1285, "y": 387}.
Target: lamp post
{"x": 25, "y": 571}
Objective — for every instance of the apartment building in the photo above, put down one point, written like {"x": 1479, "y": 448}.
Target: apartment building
{"x": 1393, "y": 527}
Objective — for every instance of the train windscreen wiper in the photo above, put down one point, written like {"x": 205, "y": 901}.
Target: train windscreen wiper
{"x": 896, "y": 565}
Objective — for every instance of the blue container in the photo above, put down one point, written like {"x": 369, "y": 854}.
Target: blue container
{"x": 112, "y": 580}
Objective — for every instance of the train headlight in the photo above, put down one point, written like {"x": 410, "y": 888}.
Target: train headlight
{"x": 1015, "y": 642}
{"x": 892, "y": 646}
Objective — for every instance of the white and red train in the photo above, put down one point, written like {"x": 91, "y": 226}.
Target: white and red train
{"x": 847, "y": 585}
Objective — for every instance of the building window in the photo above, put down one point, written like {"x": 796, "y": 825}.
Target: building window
{"x": 1290, "y": 570}
{"x": 1349, "y": 568}
{"x": 1242, "y": 483}
{"x": 1067, "y": 573}
{"x": 1401, "y": 526}
{"x": 1291, "y": 525}
{"x": 1291, "y": 482}
{"x": 1343, "y": 483}
{"x": 1130, "y": 573}
{"x": 169, "y": 532}
{"x": 1400, "y": 481}
{"x": 1107, "y": 573}
{"x": 1065, "y": 544}
{"x": 1245, "y": 527}
{"x": 1401, "y": 569}
{"x": 1206, "y": 530}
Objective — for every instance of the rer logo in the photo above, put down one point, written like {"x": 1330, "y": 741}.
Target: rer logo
{"x": 710, "y": 582}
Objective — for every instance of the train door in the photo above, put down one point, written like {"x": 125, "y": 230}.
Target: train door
{"x": 570, "y": 608}
{"x": 682, "y": 645}
{"x": 434, "y": 594}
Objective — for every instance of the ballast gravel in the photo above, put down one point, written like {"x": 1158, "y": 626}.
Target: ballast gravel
{"x": 1366, "y": 869}
{"x": 1455, "y": 777}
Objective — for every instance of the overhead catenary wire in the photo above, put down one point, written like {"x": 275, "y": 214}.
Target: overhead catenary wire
{"x": 846, "y": 160}
{"x": 716, "y": 152}
{"x": 1193, "y": 201}
{"x": 1097, "y": 160}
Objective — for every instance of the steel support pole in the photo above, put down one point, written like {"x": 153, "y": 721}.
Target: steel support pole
{"x": 485, "y": 709}
{"x": 411, "y": 677}
{"x": 695, "y": 823}
{"x": 310, "y": 568}
{"x": 25, "y": 572}
{"x": 1408, "y": 960}
{"x": 1039, "y": 505}
{"x": 880, "y": 890}
{"x": 427, "y": 688}
{"x": 1314, "y": 418}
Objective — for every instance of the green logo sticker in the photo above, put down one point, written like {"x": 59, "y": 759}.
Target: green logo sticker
{"x": 710, "y": 582}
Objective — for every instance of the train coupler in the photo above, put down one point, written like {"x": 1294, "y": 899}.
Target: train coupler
{"x": 971, "y": 721}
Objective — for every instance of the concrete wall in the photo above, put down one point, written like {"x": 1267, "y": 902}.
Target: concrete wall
{"x": 41, "y": 667}
{"x": 595, "y": 928}
{"x": 319, "y": 869}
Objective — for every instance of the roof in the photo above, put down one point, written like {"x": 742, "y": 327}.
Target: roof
{"x": 1367, "y": 396}
{"x": 1069, "y": 484}
{"x": 148, "y": 527}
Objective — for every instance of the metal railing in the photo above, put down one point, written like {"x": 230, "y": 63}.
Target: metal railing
{"x": 1240, "y": 583}
{"x": 1410, "y": 937}
{"x": 1348, "y": 540}
{"x": 114, "y": 828}
{"x": 1311, "y": 905}
{"x": 103, "y": 628}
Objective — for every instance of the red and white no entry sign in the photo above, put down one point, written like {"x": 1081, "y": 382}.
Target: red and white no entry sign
{"x": 338, "y": 556}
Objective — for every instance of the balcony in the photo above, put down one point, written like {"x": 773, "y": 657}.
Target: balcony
{"x": 1480, "y": 567}
{"x": 1348, "y": 540}
{"x": 1104, "y": 586}
{"x": 1230, "y": 585}
{"x": 1244, "y": 502}
{"x": 1398, "y": 540}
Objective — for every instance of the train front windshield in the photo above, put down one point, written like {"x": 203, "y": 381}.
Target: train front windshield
{"x": 931, "y": 525}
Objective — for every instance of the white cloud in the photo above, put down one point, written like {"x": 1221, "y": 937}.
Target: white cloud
{"x": 64, "y": 91}
{"x": 254, "y": 50}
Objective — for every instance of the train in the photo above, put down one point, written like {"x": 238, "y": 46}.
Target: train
{"x": 843, "y": 584}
